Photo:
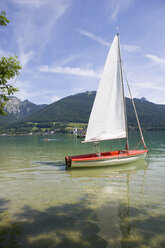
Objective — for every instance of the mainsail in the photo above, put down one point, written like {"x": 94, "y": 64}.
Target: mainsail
{"x": 107, "y": 119}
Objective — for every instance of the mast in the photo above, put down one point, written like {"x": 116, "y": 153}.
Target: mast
{"x": 125, "y": 112}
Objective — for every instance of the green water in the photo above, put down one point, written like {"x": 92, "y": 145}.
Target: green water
{"x": 44, "y": 205}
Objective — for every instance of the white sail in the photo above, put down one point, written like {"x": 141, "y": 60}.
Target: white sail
{"x": 107, "y": 119}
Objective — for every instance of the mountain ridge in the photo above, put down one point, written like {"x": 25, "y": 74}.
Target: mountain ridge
{"x": 76, "y": 109}
{"x": 17, "y": 110}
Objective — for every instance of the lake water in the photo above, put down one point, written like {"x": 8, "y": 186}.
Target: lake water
{"x": 44, "y": 205}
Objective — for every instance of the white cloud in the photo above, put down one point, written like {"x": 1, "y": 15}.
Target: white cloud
{"x": 155, "y": 59}
{"x": 23, "y": 57}
{"x": 150, "y": 85}
{"x": 55, "y": 98}
{"x": 94, "y": 37}
{"x": 26, "y": 57}
{"x": 115, "y": 12}
{"x": 69, "y": 70}
{"x": 153, "y": 91}
{"x": 24, "y": 89}
{"x": 34, "y": 29}
{"x": 34, "y": 3}
{"x": 118, "y": 6}
{"x": 3, "y": 53}
{"x": 128, "y": 48}
{"x": 68, "y": 59}
{"x": 27, "y": 91}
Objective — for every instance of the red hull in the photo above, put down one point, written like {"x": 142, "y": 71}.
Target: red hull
{"x": 103, "y": 156}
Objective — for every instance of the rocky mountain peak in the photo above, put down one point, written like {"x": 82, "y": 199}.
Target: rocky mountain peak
{"x": 20, "y": 109}
{"x": 143, "y": 99}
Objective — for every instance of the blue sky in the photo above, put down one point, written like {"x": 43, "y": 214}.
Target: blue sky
{"x": 63, "y": 44}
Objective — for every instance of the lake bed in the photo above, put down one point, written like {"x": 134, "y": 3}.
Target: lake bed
{"x": 44, "y": 205}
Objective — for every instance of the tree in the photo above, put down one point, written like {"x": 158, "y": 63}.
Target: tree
{"x": 9, "y": 68}
{"x": 3, "y": 19}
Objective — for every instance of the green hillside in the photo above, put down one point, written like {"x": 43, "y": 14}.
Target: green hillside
{"x": 66, "y": 113}
{"x": 151, "y": 115}
{"x": 77, "y": 108}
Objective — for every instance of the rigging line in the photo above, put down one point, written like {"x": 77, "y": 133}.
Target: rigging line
{"x": 137, "y": 118}
{"x": 137, "y": 144}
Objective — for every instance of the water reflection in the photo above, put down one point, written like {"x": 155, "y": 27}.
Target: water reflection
{"x": 120, "y": 221}
{"x": 111, "y": 170}
{"x": 44, "y": 205}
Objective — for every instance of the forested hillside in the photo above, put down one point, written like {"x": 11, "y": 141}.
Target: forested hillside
{"x": 29, "y": 117}
{"x": 77, "y": 108}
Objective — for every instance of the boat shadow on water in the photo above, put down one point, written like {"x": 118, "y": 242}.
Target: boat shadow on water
{"x": 60, "y": 165}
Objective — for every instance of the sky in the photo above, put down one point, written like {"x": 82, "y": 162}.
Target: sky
{"x": 62, "y": 45}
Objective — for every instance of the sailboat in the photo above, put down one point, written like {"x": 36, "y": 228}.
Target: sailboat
{"x": 108, "y": 118}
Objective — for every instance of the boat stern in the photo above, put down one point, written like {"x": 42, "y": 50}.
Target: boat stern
{"x": 68, "y": 162}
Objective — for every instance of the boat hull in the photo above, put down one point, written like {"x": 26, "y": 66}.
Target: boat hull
{"x": 105, "y": 159}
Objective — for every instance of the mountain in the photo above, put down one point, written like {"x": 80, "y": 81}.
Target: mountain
{"x": 150, "y": 114}
{"x": 74, "y": 108}
{"x": 77, "y": 108}
{"x": 18, "y": 110}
